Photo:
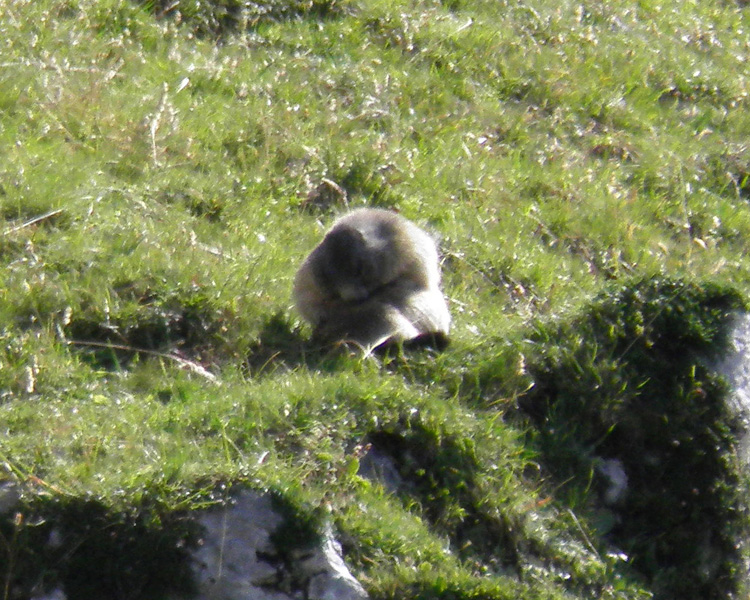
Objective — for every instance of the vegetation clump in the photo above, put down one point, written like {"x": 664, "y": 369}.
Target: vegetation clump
{"x": 92, "y": 550}
{"x": 631, "y": 380}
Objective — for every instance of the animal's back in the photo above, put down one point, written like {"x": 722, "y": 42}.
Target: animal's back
{"x": 403, "y": 298}
{"x": 404, "y": 246}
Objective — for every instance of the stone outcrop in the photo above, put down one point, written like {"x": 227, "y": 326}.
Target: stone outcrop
{"x": 735, "y": 366}
{"x": 237, "y": 560}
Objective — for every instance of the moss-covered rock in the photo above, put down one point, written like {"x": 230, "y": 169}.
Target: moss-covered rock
{"x": 628, "y": 380}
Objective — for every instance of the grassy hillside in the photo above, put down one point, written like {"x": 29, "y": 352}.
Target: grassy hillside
{"x": 167, "y": 165}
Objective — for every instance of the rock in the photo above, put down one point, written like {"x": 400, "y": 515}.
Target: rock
{"x": 228, "y": 563}
{"x": 735, "y": 366}
{"x": 9, "y": 496}
{"x": 236, "y": 559}
{"x": 613, "y": 471}
{"x": 379, "y": 467}
{"x": 329, "y": 577}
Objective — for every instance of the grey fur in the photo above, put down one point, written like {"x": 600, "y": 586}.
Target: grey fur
{"x": 374, "y": 278}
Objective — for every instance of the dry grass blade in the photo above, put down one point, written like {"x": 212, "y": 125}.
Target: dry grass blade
{"x": 34, "y": 221}
{"x": 183, "y": 362}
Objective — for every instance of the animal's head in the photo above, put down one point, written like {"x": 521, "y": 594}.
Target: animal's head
{"x": 347, "y": 267}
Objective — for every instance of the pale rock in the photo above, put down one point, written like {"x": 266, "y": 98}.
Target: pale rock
{"x": 227, "y": 564}
{"x": 735, "y": 366}
{"x": 379, "y": 467}
{"x": 236, "y": 559}
{"x": 613, "y": 471}
{"x": 9, "y": 496}
{"x": 329, "y": 577}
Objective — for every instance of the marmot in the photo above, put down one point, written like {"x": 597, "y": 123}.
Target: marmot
{"x": 374, "y": 278}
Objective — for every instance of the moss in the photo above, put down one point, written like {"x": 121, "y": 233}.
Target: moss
{"x": 440, "y": 471}
{"x": 96, "y": 551}
{"x": 428, "y": 585}
{"x": 628, "y": 380}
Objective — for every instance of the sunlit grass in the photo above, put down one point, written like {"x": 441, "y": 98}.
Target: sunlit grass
{"x": 157, "y": 191}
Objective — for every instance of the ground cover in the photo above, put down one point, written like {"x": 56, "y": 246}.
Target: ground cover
{"x": 165, "y": 168}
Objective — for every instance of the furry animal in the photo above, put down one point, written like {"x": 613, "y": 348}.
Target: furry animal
{"x": 374, "y": 278}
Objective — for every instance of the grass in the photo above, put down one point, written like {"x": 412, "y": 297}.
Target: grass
{"x": 167, "y": 166}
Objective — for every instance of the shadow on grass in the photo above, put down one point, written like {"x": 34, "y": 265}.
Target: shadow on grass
{"x": 216, "y": 18}
{"x": 152, "y": 325}
{"x": 281, "y": 345}
{"x": 92, "y": 551}
{"x": 439, "y": 472}
{"x": 628, "y": 381}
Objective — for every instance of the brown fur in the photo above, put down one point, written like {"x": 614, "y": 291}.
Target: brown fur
{"x": 374, "y": 278}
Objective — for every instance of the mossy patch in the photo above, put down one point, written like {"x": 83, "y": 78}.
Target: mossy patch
{"x": 628, "y": 380}
{"x": 440, "y": 472}
{"x": 97, "y": 551}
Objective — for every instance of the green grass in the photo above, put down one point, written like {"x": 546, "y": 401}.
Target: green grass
{"x": 586, "y": 169}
